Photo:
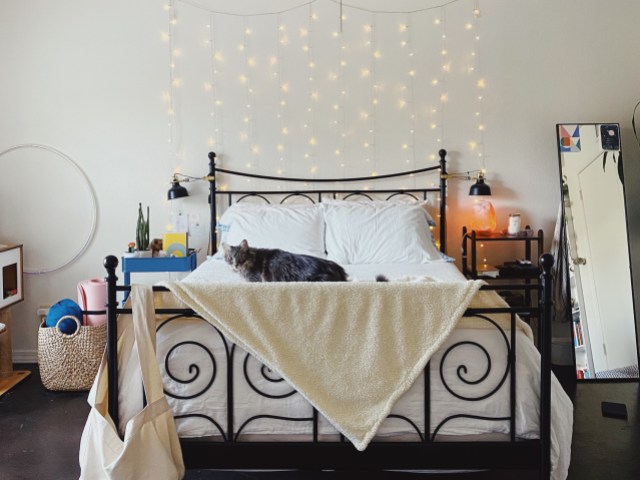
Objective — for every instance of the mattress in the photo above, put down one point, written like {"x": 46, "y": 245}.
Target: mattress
{"x": 466, "y": 378}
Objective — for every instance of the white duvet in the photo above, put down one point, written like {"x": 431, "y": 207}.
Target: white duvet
{"x": 193, "y": 359}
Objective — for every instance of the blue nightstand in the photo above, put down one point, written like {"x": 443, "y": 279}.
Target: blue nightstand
{"x": 158, "y": 264}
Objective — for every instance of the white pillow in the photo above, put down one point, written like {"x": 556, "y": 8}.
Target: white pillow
{"x": 295, "y": 228}
{"x": 378, "y": 232}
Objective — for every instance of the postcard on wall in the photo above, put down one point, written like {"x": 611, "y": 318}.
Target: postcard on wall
{"x": 569, "y": 138}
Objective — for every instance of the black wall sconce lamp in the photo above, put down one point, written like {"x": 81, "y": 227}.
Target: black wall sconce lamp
{"x": 478, "y": 188}
{"x": 179, "y": 191}
{"x": 483, "y": 220}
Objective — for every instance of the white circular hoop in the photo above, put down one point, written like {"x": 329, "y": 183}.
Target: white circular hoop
{"x": 94, "y": 206}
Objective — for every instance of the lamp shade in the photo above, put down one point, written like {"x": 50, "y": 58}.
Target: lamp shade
{"x": 177, "y": 191}
{"x": 480, "y": 188}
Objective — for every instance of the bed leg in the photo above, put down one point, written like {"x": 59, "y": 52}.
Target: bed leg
{"x": 545, "y": 366}
{"x": 111, "y": 263}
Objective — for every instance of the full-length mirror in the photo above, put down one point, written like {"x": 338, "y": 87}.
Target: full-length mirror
{"x": 597, "y": 249}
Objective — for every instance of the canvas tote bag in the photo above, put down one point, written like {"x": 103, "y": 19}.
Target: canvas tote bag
{"x": 150, "y": 449}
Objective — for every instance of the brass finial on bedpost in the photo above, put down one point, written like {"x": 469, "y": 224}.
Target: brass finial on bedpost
{"x": 212, "y": 203}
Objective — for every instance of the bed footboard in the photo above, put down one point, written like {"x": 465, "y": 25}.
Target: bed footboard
{"x": 425, "y": 453}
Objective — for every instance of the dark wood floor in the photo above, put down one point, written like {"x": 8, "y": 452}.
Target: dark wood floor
{"x": 40, "y": 433}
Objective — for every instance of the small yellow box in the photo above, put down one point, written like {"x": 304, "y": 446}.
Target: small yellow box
{"x": 175, "y": 244}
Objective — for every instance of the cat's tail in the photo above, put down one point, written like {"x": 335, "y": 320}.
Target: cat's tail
{"x": 379, "y": 278}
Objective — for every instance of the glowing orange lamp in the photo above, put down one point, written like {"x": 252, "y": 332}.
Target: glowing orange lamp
{"x": 484, "y": 215}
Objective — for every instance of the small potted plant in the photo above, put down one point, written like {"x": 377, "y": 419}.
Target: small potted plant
{"x": 131, "y": 250}
{"x": 142, "y": 233}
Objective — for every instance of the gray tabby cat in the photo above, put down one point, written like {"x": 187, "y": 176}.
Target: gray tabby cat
{"x": 275, "y": 265}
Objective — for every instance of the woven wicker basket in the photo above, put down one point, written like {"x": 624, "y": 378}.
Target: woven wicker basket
{"x": 70, "y": 362}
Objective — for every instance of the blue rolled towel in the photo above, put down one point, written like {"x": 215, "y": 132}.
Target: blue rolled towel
{"x": 64, "y": 308}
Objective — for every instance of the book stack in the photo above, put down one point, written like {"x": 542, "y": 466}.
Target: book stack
{"x": 518, "y": 270}
{"x": 578, "y": 338}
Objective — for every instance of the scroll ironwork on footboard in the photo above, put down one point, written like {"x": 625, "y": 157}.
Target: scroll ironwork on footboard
{"x": 425, "y": 452}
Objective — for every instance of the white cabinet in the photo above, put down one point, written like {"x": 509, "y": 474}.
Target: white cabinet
{"x": 11, "y": 278}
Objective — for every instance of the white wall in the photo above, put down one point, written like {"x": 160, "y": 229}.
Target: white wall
{"x": 92, "y": 79}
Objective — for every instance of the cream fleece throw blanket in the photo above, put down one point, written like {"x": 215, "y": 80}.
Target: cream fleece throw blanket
{"x": 351, "y": 349}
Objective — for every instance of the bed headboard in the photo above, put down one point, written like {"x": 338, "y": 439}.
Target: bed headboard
{"x": 317, "y": 194}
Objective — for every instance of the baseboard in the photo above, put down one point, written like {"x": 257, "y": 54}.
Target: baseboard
{"x": 25, "y": 356}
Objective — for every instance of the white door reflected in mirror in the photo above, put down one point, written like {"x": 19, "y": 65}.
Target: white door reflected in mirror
{"x": 602, "y": 309}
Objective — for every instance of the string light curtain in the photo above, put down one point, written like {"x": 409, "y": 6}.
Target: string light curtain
{"x": 326, "y": 88}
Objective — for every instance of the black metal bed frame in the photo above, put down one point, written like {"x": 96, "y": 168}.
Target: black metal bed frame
{"x": 318, "y": 454}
